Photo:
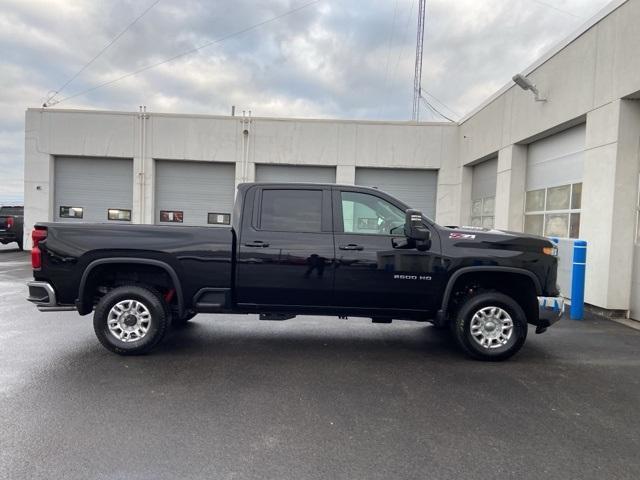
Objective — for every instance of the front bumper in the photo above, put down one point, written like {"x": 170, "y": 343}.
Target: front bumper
{"x": 44, "y": 296}
{"x": 550, "y": 310}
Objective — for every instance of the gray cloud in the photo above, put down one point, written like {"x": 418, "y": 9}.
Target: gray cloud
{"x": 343, "y": 59}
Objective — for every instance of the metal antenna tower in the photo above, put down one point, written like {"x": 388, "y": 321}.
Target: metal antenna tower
{"x": 417, "y": 78}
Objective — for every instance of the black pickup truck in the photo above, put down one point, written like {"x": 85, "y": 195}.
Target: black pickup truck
{"x": 300, "y": 249}
{"x": 11, "y": 225}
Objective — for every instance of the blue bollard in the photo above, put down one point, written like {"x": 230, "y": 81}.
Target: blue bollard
{"x": 577, "y": 280}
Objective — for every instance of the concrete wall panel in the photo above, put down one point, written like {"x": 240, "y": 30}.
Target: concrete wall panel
{"x": 193, "y": 138}
{"x": 101, "y": 135}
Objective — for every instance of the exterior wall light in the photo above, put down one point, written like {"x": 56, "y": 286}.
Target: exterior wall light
{"x": 526, "y": 84}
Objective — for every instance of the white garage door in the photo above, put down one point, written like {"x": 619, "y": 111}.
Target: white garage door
{"x": 483, "y": 193}
{"x": 557, "y": 160}
{"x": 194, "y": 193}
{"x": 555, "y": 167}
{"x": 295, "y": 173}
{"x": 86, "y": 188}
{"x": 417, "y": 188}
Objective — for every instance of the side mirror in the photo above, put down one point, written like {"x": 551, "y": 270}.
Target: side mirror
{"x": 414, "y": 229}
{"x": 419, "y": 236}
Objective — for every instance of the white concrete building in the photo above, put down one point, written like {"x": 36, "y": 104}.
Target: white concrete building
{"x": 568, "y": 166}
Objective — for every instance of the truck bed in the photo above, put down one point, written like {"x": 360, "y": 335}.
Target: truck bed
{"x": 190, "y": 251}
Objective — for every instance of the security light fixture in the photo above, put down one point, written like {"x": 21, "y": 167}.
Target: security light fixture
{"x": 526, "y": 84}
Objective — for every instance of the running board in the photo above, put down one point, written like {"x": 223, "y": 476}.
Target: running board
{"x": 276, "y": 316}
{"x": 381, "y": 320}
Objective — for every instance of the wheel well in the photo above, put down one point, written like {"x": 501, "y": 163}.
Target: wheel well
{"x": 518, "y": 286}
{"x": 103, "y": 278}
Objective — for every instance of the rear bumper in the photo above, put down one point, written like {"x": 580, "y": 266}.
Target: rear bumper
{"x": 550, "y": 310}
{"x": 44, "y": 297}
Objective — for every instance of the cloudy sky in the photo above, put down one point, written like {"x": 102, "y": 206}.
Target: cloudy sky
{"x": 333, "y": 58}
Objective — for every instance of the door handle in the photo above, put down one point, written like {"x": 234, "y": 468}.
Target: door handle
{"x": 257, "y": 243}
{"x": 351, "y": 246}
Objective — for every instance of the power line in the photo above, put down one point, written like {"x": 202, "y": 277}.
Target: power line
{"x": 434, "y": 115}
{"x": 545, "y": 4}
{"x": 192, "y": 50}
{"x": 441, "y": 102}
{"x": 434, "y": 109}
{"x": 105, "y": 48}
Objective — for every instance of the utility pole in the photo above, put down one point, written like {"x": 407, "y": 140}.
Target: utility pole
{"x": 417, "y": 78}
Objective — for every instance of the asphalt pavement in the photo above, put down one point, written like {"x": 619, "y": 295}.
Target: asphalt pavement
{"x": 232, "y": 397}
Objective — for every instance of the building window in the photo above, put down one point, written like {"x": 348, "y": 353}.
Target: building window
{"x": 171, "y": 216}
{"x": 119, "y": 214}
{"x": 554, "y": 211}
{"x": 219, "y": 218}
{"x": 71, "y": 212}
{"x": 482, "y": 212}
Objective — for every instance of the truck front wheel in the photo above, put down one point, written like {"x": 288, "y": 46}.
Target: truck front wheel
{"x": 490, "y": 326}
{"x": 131, "y": 320}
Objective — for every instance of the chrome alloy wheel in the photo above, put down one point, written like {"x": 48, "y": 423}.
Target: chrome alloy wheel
{"x": 129, "y": 320}
{"x": 491, "y": 327}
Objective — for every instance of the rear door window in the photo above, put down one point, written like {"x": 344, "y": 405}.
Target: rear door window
{"x": 285, "y": 210}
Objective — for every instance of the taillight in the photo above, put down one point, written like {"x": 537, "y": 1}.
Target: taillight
{"x": 9, "y": 222}
{"x": 39, "y": 234}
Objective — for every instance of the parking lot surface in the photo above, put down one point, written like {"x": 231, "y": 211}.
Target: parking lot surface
{"x": 232, "y": 397}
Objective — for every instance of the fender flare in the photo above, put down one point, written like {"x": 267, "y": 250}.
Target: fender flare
{"x": 132, "y": 260}
{"x": 487, "y": 268}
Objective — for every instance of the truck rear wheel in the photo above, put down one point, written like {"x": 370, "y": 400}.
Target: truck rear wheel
{"x": 131, "y": 320}
{"x": 490, "y": 326}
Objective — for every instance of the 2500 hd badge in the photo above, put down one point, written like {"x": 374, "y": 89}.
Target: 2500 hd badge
{"x": 411, "y": 277}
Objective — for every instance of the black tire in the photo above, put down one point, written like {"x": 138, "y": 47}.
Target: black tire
{"x": 471, "y": 344}
{"x": 20, "y": 247}
{"x": 158, "y": 323}
{"x": 181, "y": 322}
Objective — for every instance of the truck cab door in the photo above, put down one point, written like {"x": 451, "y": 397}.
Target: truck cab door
{"x": 376, "y": 268}
{"x": 285, "y": 250}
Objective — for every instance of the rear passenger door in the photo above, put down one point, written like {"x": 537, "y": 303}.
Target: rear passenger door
{"x": 286, "y": 248}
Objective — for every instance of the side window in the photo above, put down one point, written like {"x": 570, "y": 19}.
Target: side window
{"x": 291, "y": 210}
{"x": 364, "y": 213}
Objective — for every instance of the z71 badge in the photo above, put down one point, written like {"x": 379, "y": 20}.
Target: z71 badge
{"x": 461, "y": 236}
